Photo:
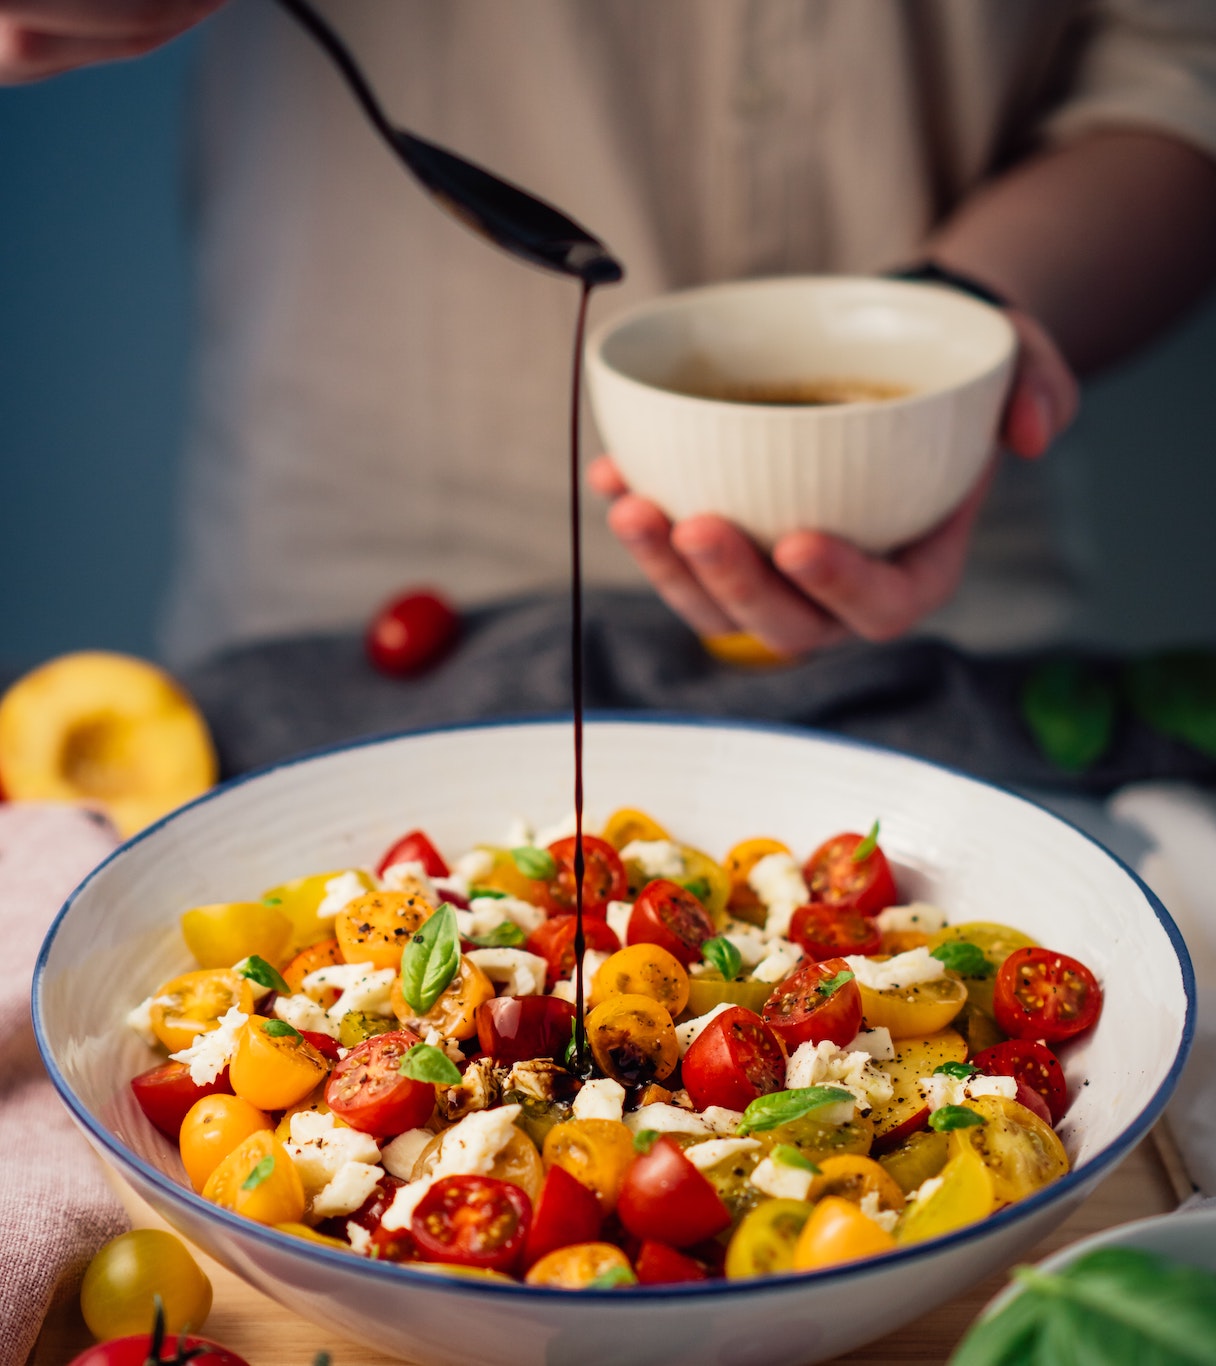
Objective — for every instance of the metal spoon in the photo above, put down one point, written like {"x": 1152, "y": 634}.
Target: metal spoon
{"x": 509, "y": 217}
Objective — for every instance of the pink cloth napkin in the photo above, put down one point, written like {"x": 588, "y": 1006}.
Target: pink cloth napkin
{"x": 56, "y": 1208}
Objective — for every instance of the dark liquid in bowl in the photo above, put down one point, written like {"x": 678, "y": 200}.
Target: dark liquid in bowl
{"x": 800, "y": 392}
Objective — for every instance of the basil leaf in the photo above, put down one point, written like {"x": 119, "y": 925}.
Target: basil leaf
{"x": 425, "y": 1062}
{"x": 280, "y": 1029}
{"x": 826, "y": 988}
{"x": 954, "y": 1117}
{"x": 508, "y": 935}
{"x": 492, "y": 892}
{"x": 272, "y": 901}
{"x": 260, "y": 971}
{"x": 720, "y": 953}
{"x": 1069, "y": 708}
{"x": 867, "y": 846}
{"x": 967, "y": 959}
{"x": 789, "y": 1156}
{"x": 259, "y": 1173}
{"x": 615, "y": 1275}
{"x": 698, "y": 887}
{"x": 538, "y": 864}
{"x": 783, "y": 1107}
{"x": 1175, "y": 693}
{"x": 571, "y": 1053}
{"x": 431, "y": 959}
{"x": 963, "y": 1071}
{"x": 644, "y": 1140}
{"x": 1009, "y": 1338}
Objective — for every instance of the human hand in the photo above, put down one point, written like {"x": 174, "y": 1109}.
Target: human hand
{"x": 817, "y": 590}
{"x": 40, "y": 38}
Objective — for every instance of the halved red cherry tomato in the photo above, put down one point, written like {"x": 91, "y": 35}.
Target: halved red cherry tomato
{"x": 566, "y": 1212}
{"x": 659, "y": 1264}
{"x": 367, "y": 1090}
{"x": 834, "y": 877}
{"x": 665, "y": 1198}
{"x": 1040, "y": 994}
{"x": 554, "y": 942}
{"x": 815, "y": 1003}
{"x": 395, "y": 1246}
{"x": 516, "y": 1028}
{"x": 734, "y": 1059}
{"x": 472, "y": 1221}
{"x": 166, "y": 1094}
{"x": 604, "y": 877}
{"x": 672, "y": 917}
{"x": 323, "y": 1043}
{"x": 411, "y": 631}
{"x": 1034, "y": 1065}
{"x": 824, "y": 931}
{"x": 414, "y": 848}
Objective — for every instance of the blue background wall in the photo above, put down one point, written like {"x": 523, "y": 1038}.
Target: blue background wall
{"x": 94, "y": 331}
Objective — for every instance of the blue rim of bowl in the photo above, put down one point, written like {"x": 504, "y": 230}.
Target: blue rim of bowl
{"x": 400, "y": 1272}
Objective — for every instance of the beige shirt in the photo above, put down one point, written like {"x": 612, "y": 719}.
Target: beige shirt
{"x": 381, "y": 398}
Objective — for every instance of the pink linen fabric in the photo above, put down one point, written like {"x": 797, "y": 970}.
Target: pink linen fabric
{"x": 56, "y": 1208}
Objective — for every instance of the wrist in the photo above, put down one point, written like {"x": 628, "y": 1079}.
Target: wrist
{"x": 930, "y": 272}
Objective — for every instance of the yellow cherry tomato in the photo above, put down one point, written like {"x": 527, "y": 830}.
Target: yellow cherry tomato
{"x": 325, "y": 953}
{"x": 193, "y": 1003}
{"x": 116, "y": 1296}
{"x": 837, "y": 1231}
{"x": 310, "y": 1235}
{"x": 517, "y": 1161}
{"x": 643, "y": 970}
{"x": 1021, "y": 1152}
{"x": 743, "y": 857}
{"x": 699, "y": 867}
{"x": 273, "y": 1066}
{"x": 626, "y": 825}
{"x": 376, "y": 927}
{"x": 577, "y": 1266}
{"x": 743, "y": 650}
{"x": 921, "y": 1155}
{"x": 853, "y": 1177}
{"x": 705, "y": 992}
{"x": 597, "y": 1152}
{"x": 633, "y": 1040}
{"x": 223, "y": 933}
{"x": 764, "y": 1242}
{"x": 818, "y": 1140}
{"x": 912, "y": 1012}
{"x": 506, "y": 876}
{"x": 914, "y": 1058}
{"x": 213, "y": 1127}
{"x": 994, "y": 940}
{"x": 962, "y": 1195}
{"x": 454, "y": 1014}
{"x": 299, "y": 900}
{"x": 259, "y": 1181}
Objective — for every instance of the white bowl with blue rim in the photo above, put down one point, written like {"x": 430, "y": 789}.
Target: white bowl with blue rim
{"x": 977, "y": 851}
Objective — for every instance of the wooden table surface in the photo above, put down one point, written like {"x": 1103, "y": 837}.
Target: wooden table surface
{"x": 266, "y": 1334}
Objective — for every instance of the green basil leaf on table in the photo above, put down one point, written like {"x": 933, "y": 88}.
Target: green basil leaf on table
{"x": 1070, "y": 709}
{"x": 431, "y": 959}
{"x": 1174, "y": 693}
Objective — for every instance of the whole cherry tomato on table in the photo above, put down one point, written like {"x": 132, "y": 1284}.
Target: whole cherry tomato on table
{"x": 734, "y": 1059}
{"x": 120, "y": 1287}
{"x": 410, "y": 632}
{"x": 817, "y": 1001}
{"x": 604, "y": 877}
{"x": 1040, "y": 994}
{"x": 851, "y": 871}
{"x": 672, "y": 917}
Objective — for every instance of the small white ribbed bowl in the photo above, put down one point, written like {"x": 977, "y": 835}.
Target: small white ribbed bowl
{"x": 879, "y": 474}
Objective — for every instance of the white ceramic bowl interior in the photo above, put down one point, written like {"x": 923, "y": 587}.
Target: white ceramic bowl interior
{"x": 877, "y": 473}
{"x": 977, "y": 851}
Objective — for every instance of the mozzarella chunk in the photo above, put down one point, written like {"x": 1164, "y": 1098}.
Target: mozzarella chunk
{"x": 340, "y": 891}
{"x": 823, "y": 1064}
{"x": 783, "y": 957}
{"x": 602, "y": 1098}
{"x": 749, "y": 940}
{"x": 520, "y": 972}
{"x": 876, "y": 1042}
{"x": 320, "y": 1149}
{"x": 943, "y": 1089}
{"x": 559, "y": 830}
{"x": 904, "y": 970}
{"x": 362, "y": 986}
{"x": 351, "y": 1185}
{"x": 359, "y": 1238}
{"x": 302, "y": 1012}
{"x": 656, "y": 858}
{"x": 777, "y": 881}
{"x": 916, "y": 915}
{"x": 410, "y": 875}
{"x": 398, "y": 1157}
{"x": 617, "y": 916}
{"x": 721, "y": 1120}
{"x": 781, "y": 1180}
{"x": 139, "y": 1018}
{"x": 926, "y": 1189}
{"x": 666, "y": 1119}
{"x": 703, "y": 1156}
{"x": 872, "y": 1208}
{"x": 691, "y": 1029}
{"x": 210, "y": 1053}
{"x": 522, "y": 913}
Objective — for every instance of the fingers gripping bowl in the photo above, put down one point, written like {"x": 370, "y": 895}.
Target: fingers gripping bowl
{"x": 974, "y": 849}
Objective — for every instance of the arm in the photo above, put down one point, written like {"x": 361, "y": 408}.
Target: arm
{"x": 1100, "y": 244}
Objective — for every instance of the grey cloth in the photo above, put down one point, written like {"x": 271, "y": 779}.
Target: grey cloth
{"x": 280, "y": 698}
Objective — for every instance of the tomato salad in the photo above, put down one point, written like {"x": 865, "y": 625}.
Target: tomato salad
{"x": 781, "y": 1068}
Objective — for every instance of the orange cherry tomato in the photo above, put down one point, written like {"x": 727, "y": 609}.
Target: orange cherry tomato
{"x": 578, "y": 1266}
{"x": 743, "y": 901}
{"x": 214, "y": 1126}
{"x": 258, "y": 1180}
{"x": 643, "y": 970}
{"x": 596, "y": 1152}
{"x": 837, "y": 1231}
{"x": 325, "y": 953}
{"x": 454, "y": 1014}
{"x": 193, "y": 1003}
{"x": 273, "y": 1065}
{"x": 633, "y": 1040}
{"x": 376, "y": 927}
{"x": 853, "y": 1177}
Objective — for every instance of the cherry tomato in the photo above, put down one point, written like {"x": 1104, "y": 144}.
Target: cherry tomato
{"x": 579, "y": 1266}
{"x": 193, "y": 1003}
{"x": 367, "y": 1090}
{"x": 806, "y": 1007}
{"x": 165, "y": 1094}
{"x": 323, "y": 1043}
{"x": 906, "y": 1112}
{"x": 414, "y": 847}
{"x": 964, "y": 1195}
{"x": 764, "y": 1242}
{"x": 837, "y": 1231}
{"x": 325, "y": 953}
{"x": 517, "y": 1161}
{"x": 411, "y": 632}
{"x": 274, "y": 1070}
{"x": 833, "y": 876}
{"x": 706, "y": 992}
{"x": 604, "y": 877}
{"x": 824, "y": 931}
{"x": 472, "y": 1221}
{"x": 1021, "y": 1151}
{"x": 627, "y": 824}
{"x": 301, "y": 898}
{"x": 259, "y": 1181}
{"x": 386, "y": 1245}
{"x": 742, "y": 899}
{"x": 659, "y": 1264}
{"x": 643, "y": 970}
{"x": 117, "y": 1296}
{"x": 554, "y": 942}
{"x": 222, "y": 934}
{"x": 137, "y": 1351}
{"x": 852, "y": 1177}
{"x": 597, "y": 1152}
{"x": 633, "y": 1040}
{"x": 734, "y": 1059}
{"x": 669, "y": 915}
{"x": 914, "y": 1011}
{"x": 1034, "y": 1065}
{"x": 376, "y": 927}
{"x": 516, "y": 1028}
{"x": 1044, "y": 995}
{"x": 566, "y": 1212}
{"x": 664, "y": 1197}
{"x": 213, "y": 1128}
{"x": 454, "y": 1014}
